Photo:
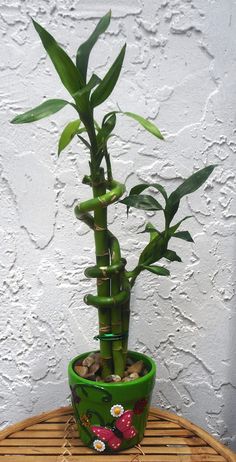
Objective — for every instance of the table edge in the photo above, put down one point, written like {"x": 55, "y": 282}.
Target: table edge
{"x": 156, "y": 412}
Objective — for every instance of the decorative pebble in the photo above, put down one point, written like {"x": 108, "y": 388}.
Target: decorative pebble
{"x": 113, "y": 378}
{"x": 81, "y": 370}
{"x": 116, "y": 378}
{"x": 134, "y": 376}
{"x": 136, "y": 367}
{"x": 93, "y": 369}
{"x": 88, "y": 361}
{"x": 89, "y": 368}
{"x": 109, "y": 379}
{"x": 96, "y": 357}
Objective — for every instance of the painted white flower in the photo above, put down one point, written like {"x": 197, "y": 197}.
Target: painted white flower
{"x": 117, "y": 410}
{"x": 99, "y": 445}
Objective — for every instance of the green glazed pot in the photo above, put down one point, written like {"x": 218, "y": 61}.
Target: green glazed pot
{"x": 112, "y": 417}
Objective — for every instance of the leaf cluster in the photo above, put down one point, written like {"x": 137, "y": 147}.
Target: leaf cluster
{"x": 158, "y": 246}
{"x": 87, "y": 94}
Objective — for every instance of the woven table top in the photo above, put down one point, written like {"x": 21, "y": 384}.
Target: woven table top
{"x": 52, "y": 437}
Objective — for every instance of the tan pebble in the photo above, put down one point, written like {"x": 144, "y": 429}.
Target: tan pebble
{"x": 113, "y": 378}
{"x": 88, "y": 361}
{"x": 81, "y": 370}
{"x": 98, "y": 378}
{"x": 91, "y": 377}
{"x": 136, "y": 367}
{"x": 126, "y": 374}
{"x": 116, "y": 378}
{"x": 108, "y": 379}
{"x": 96, "y": 357}
{"x": 94, "y": 368}
{"x": 126, "y": 379}
{"x": 134, "y": 376}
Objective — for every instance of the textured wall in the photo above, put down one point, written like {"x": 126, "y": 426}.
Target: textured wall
{"x": 180, "y": 72}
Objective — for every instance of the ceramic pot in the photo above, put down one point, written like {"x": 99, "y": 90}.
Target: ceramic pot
{"x": 112, "y": 417}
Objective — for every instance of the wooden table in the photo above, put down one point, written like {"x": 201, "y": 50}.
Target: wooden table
{"x": 52, "y": 437}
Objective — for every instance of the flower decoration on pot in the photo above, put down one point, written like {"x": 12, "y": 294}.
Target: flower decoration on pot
{"x": 99, "y": 380}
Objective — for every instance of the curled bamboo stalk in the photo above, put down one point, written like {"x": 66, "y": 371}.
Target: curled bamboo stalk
{"x": 110, "y": 307}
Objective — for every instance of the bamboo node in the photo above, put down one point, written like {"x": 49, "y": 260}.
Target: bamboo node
{"x": 99, "y": 228}
{"x": 104, "y": 329}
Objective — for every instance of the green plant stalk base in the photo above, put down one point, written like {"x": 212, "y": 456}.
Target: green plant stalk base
{"x": 112, "y": 417}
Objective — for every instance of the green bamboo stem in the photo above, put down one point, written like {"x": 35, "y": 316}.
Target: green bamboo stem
{"x": 106, "y": 301}
{"x": 108, "y": 273}
{"x": 103, "y": 200}
{"x": 116, "y": 311}
{"x": 125, "y": 317}
{"x": 103, "y": 284}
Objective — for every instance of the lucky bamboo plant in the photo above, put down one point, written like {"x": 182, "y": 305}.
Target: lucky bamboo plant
{"x": 114, "y": 281}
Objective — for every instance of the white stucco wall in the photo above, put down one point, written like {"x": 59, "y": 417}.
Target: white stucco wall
{"x": 179, "y": 71}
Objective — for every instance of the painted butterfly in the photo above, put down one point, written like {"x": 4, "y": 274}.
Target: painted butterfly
{"x": 123, "y": 430}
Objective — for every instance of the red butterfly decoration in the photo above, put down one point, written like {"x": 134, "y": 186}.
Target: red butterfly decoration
{"x": 113, "y": 437}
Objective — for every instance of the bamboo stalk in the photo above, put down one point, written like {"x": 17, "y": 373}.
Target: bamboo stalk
{"x": 116, "y": 311}
{"x": 125, "y": 318}
{"x": 103, "y": 284}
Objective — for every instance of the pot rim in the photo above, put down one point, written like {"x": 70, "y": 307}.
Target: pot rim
{"x": 147, "y": 360}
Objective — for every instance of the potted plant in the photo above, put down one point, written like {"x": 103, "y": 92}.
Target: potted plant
{"x": 111, "y": 388}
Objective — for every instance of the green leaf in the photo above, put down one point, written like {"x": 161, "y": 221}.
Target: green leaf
{"x": 159, "y": 270}
{"x": 185, "y": 235}
{"x": 190, "y": 185}
{"x": 69, "y": 74}
{"x": 154, "y": 251}
{"x": 171, "y": 255}
{"x": 139, "y": 188}
{"x": 173, "y": 228}
{"x": 108, "y": 83}
{"x": 149, "y": 228}
{"x": 143, "y": 202}
{"x": 106, "y": 129}
{"x": 83, "y": 53}
{"x": 149, "y": 126}
{"x": 68, "y": 134}
{"x": 39, "y": 112}
{"x": 94, "y": 80}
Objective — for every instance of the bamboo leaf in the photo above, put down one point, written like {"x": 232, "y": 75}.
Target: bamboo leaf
{"x": 68, "y": 134}
{"x": 171, "y": 255}
{"x": 149, "y": 228}
{"x": 69, "y": 74}
{"x": 190, "y": 185}
{"x": 106, "y": 129}
{"x": 149, "y": 126}
{"x": 143, "y": 202}
{"x": 94, "y": 80}
{"x": 45, "y": 109}
{"x": 83, "y": 53}
{"x": 159, "y": 270}
{"x": 185, "y": 235}
{"x": 139, "y": 188}
{"x": 154, "y": 251}
{"x": 106, "y": 86}
{"x": 173, "y": 228}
